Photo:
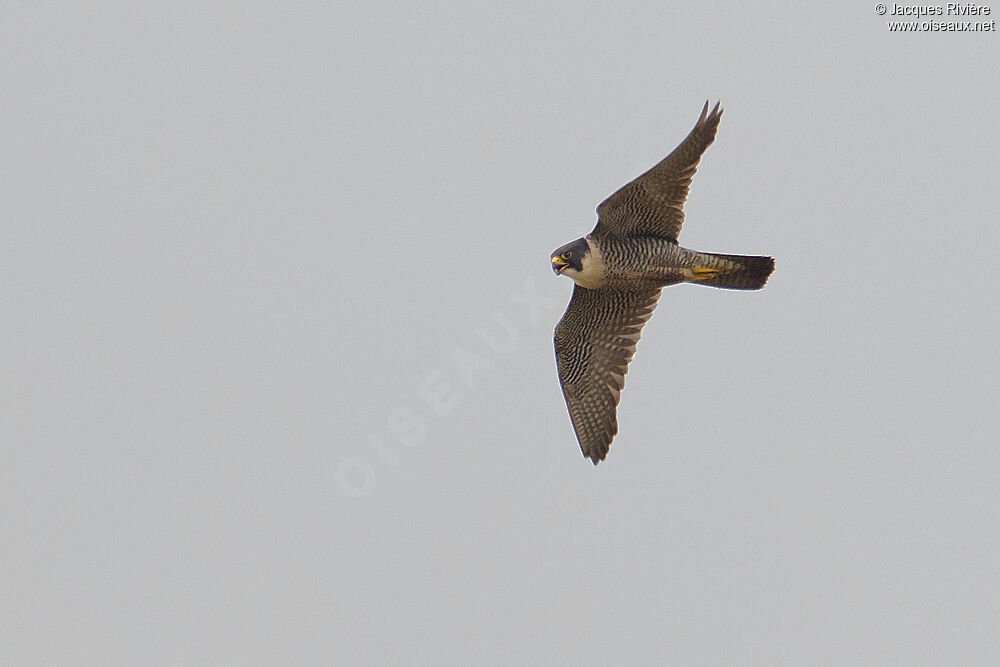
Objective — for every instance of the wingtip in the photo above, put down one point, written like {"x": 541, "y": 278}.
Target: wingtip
{"x": 716, "y": 112}
{"x": 596, "y": 456}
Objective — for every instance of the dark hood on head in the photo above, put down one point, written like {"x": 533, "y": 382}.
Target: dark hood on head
{"x": 579, "y": 248}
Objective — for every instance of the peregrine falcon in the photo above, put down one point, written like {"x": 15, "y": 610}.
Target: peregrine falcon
{"x": 619, "y": 270}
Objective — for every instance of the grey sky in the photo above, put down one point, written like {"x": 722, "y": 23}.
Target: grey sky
{"x": 279, "y": 384}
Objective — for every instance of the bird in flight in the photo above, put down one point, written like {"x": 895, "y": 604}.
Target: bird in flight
{"x": 619, "y": 270}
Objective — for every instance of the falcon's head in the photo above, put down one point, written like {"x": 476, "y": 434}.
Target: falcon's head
{"x": 567, "y": 260}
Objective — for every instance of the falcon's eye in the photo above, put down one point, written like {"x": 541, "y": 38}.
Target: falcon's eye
{"x": 567, "y": 254}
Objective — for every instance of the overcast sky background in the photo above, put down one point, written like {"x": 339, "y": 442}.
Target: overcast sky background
{"x": 276, "y": 346}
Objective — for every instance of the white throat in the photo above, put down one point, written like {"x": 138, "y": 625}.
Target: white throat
{"x": 592, "y": 275}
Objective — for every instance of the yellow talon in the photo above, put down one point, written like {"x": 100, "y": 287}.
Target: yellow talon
{"x": 704, "y": 273}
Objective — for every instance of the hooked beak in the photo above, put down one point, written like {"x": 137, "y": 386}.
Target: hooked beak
{"x": 558, "y": 264}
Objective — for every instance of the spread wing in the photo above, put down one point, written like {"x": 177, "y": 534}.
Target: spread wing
{"x": 653, "y": 204}
{"x": 595, "y": 341}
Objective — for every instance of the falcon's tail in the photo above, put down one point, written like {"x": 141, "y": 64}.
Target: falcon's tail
{"x": 732, "y": 271}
